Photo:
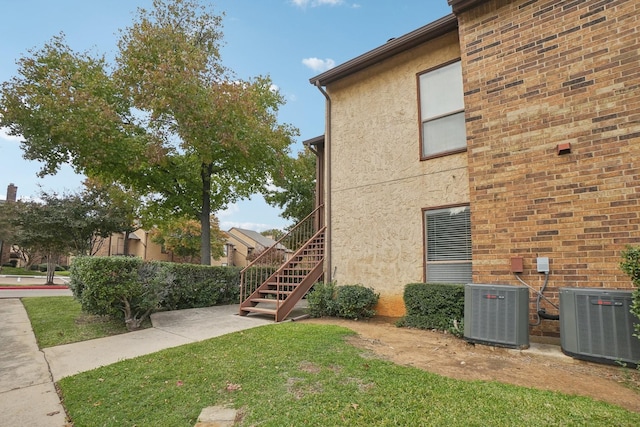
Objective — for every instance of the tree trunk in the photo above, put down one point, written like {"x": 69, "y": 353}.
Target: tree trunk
{"x": 205, "y": 215}
{"x": 125, "y": 243}
{"x": 51, "y": 268}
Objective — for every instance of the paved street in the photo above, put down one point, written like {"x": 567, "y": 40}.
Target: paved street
{"x": 31, "y": 286}
{"x": 31, "y": 280}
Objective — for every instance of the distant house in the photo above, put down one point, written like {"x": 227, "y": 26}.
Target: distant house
{"x": 139, "y": 245}
{"x": 244, "y": 245}
{"x": 508, "y": 129}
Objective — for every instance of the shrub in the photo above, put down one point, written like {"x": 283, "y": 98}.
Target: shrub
{"x": 630, "y": 265}
{"x": 434, "y": 306}
{"x": 350, "y": 302}
{"x": 193, "y": 286}
{"x": 128, "y": 288}
{"x": 355, "y": 302}
{"x": 321, "y": 300}
{"x": 113, "y": 286}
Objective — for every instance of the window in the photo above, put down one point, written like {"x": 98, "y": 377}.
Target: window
{"x": 442, "y": 110}
{"x": 448, "y": 245}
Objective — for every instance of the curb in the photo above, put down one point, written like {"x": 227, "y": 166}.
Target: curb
{"x": 26, "y": 287}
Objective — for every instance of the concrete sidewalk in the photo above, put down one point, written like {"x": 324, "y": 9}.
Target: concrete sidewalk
{"x": 170, "y": 329}
{"x": 27, "y": 394}
{"x": 27, "y": 375}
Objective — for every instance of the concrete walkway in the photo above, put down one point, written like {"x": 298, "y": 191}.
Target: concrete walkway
{"x": 27, "y": 393}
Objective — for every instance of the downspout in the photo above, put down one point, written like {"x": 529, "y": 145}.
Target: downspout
{"x": 327, "y": 189}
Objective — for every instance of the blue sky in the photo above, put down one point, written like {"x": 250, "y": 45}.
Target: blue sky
{"x": 289, "y": 40}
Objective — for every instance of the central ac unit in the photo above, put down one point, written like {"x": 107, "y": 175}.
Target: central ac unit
{"x": 496, "y": 315}
{"x": 597, "y": 325}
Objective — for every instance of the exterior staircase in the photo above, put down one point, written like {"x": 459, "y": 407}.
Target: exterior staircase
{"x": 283, "y": 274}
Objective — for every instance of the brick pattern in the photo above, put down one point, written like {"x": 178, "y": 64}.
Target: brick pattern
{"x": 539, "y": 73}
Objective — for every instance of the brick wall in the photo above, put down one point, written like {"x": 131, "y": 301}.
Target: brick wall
{"x": 539, "y": 73}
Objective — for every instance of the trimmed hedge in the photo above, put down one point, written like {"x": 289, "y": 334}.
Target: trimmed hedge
{"x": 129, "y": 288}
{"x": 434, "y": 306}
{"x": 193, "y": 286}
{"x": 349, "y": 302}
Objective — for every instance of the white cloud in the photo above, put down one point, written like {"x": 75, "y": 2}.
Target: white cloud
{"x": 316, "y": 3}
{"x": 231, "y": 210}
{"x": 319, "y": 65}
{"x": 4, "y": 134}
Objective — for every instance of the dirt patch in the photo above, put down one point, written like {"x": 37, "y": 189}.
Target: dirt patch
{"x": 447, "y": 355}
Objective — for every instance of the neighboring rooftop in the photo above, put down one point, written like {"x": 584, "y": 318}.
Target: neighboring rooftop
{"x": 263, "y": 241}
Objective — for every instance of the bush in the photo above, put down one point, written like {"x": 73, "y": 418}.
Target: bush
{"x": 113, "y": 286}
{"x": 321, "y": 300}
{"x": 350, "y": 302}
{"x": 193, "y": 286}
{"x": 434, "y": 306}
{"x": 129, "y": 288}
{"x": 355, "y": 302}
{"x": 630, "y": 265}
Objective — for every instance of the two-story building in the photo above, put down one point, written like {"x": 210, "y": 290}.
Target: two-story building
{"x": 504, "y": 132}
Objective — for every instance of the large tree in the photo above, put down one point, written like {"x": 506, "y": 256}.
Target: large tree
{"x": 168, "y": 120}
{"x": 294, "y": 190}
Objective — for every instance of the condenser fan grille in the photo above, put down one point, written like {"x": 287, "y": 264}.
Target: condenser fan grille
{"x": 497, "y": 315}
{"x": 597, "y": 324}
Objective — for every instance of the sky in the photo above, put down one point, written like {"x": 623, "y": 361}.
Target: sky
{"x": 290, "y": 41}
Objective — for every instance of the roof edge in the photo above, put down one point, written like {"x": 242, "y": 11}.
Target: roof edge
{"x": 391, "y": 48}
{"x": 459, "y": 6}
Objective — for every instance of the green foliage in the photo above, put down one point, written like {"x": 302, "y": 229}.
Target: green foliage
{"x": 434, "y": 306}
{"x": 113, "y": 286}
{"x": 321, "y": 300}
{"x": 295, "y": 187}
{"x": 59, "y": 225}
{"x": 350, "y": 301}
{"x": 630, "y": 265}
{"x": 355, "y": 302}
{"x": 182, "y": 236}
{"x": 192, "y": 286}
{"x": 131, "y": 289}
{"x": 167, "y": 119}
{"x": 69, "y": 110}
{"x": 301, "y": 374}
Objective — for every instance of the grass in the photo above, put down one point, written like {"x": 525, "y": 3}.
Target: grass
{"x": 295, "y": 374}
{"x": 60, "y": 320}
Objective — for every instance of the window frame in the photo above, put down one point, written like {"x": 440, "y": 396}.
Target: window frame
{"x": 425, "y": 262}
{"x": 422, "y": 121}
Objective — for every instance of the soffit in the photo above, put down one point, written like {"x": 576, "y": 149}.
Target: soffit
{"x": 461, "y": 5}
{"x": 393, "y": 47}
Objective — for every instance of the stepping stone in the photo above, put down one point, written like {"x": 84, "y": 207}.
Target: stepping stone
{"x": 217, "y": 416}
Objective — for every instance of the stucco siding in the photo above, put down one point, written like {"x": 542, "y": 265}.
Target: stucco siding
{"x": 379, "y": 185}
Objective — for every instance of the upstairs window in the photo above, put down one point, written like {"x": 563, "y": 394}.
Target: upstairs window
{"x": 442, "y": 111}
{"x": 448, "y": 245}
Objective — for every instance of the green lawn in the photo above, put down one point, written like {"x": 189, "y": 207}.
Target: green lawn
{"x": 297, "y": 374}
{"x": 60, "y": 320}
